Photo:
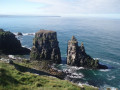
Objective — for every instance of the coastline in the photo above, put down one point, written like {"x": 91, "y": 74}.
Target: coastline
{"x": 23, "y": 65}
{"x": 58, "y": 77}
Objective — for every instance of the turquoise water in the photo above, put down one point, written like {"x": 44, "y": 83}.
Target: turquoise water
{"x": 101, "y": 38}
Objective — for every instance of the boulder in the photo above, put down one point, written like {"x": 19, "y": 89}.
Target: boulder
{"x": 19, "y": 34}
{"x": 45, "y": 46}
{"x": 9, "y": 44}
{"x": 76, "y": 56}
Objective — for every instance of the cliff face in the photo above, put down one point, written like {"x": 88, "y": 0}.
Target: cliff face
{"x": 45, "y": 47}
{"x": 9, "y": 44}
{"x": 72, "y": 52}
{"x": 76, "y": 56}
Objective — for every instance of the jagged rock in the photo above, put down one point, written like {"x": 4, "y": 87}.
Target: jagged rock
{"x": 19, "y": 34}
{"x": 9, "y": 44}
{"x": 72, "y": 51}
{"x": 76, "y": 56}
{"x": 45, "y": 47}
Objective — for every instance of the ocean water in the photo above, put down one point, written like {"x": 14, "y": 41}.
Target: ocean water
{"x": 101, "y": 38}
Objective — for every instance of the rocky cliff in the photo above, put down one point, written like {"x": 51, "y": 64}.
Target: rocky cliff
{"x": 76, "y": 56}
{"x": 45, "y": 47}
{"x": 9, "y": 44}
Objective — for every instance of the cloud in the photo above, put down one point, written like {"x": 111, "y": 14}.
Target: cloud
{"x": 65, "y": 7}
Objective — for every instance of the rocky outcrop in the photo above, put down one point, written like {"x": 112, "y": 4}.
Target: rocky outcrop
{"x": 19, "y": 34}
{"x": 45, "y": 47}
{"x": 76, "y": 56}
{"x": 9, "y": 44}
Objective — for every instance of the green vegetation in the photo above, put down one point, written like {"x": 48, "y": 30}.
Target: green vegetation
{"x": 12, "y": 79}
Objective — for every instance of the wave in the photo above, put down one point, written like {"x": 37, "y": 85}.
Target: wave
{"x": 96, "y": 58}
{"x": 111, "y": 77}
{"x": 71, "y": 71}
{"x": 14, "y": 57}
{"x": 75, "y": 75}
{"x": 81, "y": 84}
{"x": 105, "y": 70}
{"x": 25, "y": 34}
{"x": 110, "y": 61}
{"x": 106, "y": 86}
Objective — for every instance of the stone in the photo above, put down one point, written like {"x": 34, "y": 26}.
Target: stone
{"x": 9, "y": 44}
{"x": 45, "y": 46}
{"x": 72, "y": 51}
{"x": 76, "y": 56}
{"x": 19, "y": 34}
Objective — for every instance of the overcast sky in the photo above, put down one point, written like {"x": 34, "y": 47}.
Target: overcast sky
{"x": 59, "y": 7}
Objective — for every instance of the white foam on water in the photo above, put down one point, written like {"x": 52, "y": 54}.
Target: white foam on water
{"x": 96, "y": 58}
{"x": 105, "y": 70}
{"x": 81, "y": 84}
{"x": 76, "y": 68}
{"x": 110, "y": 61}
{"x": 15, "y": 33}
{"x": 71, "y": 72}
{"x": 108, "y": 86}
{"x": 24, "y": 46}
{"x": 110, "y": 77}
{"x": 14, "y": 57}
{"x": 106, "y": 60}
{"x": 24, "y": 34}
{"x": 75, "y": 75}
{"x": 11, "y": 56}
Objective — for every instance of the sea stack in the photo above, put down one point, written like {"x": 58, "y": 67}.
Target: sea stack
{"x": 72, "y": 52}
{"x": 76, "y": 56}
{"x": 46, "y": 46}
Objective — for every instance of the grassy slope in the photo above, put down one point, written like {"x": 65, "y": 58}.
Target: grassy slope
{"x": 12, "y": 79}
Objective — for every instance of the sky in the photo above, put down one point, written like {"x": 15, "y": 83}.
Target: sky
{"x": 60, "y": 7}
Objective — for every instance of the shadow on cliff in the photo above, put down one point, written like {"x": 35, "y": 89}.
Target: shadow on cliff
{"x": 31, "y": 70}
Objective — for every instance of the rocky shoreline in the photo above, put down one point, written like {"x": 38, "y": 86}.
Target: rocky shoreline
{"x": 44, "y": 53}
{"x": 43, "y": 67}
{"x": 46, "y": 47}
{"x": 33, "y": 66}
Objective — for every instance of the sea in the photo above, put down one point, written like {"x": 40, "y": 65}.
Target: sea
{"x": 100, "y": 36}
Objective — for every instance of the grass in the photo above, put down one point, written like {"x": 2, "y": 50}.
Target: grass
{"x": 12, "y": 79}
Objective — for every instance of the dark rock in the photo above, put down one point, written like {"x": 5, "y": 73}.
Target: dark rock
{"x": 19, "y": 34}
{"x": 76, "y": 56}
{"x": 1, "y": 30}
{"x": 10, "y": 61}
{"x": 9, "y": 44}
{"x": 45, "y": 47}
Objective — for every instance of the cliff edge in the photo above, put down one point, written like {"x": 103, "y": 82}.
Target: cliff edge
{"x": 9, "y": 44}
